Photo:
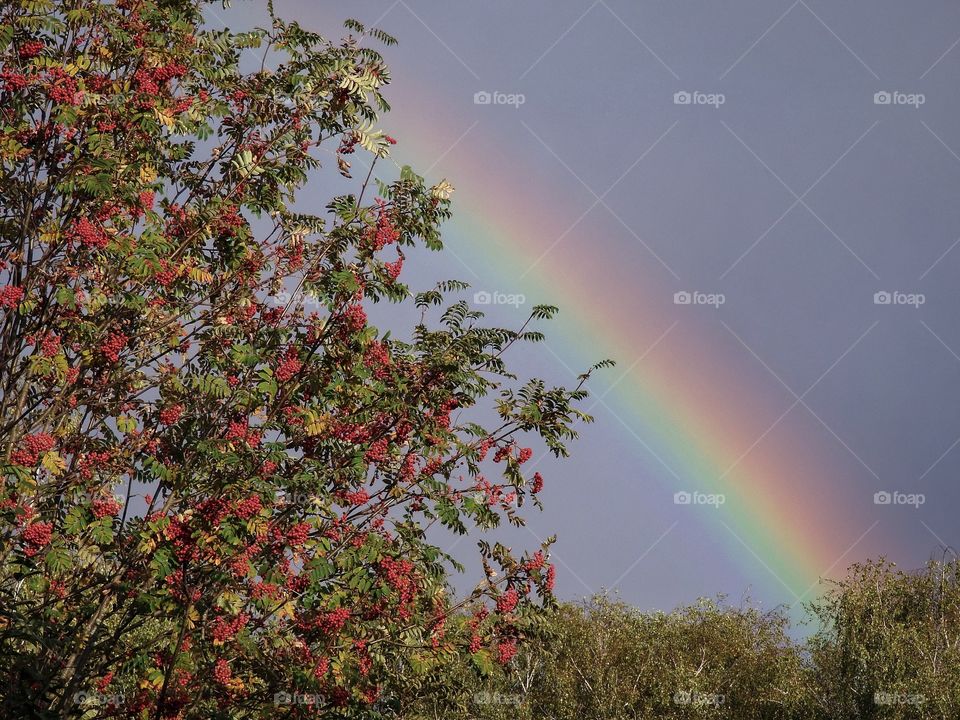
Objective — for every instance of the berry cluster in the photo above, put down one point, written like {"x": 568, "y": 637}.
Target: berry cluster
{"x": 88, "y": 234}
{"x": 537, "y": 482}
{"x": 12, "y": 81}
{"x": 170, "y": 415}
{"x": 360, "y": 497}
{"x": 239, "y": 431}
{"x": 298, "y": 534}
{"x": 61, "y": 87}
{"x": 332, "y": 622}
{"x": 113, "y": 345}
{"x": 222, "y": 673}
{"x": 384, "y": 233}
{"x": 10, "y": 296}
{"x": 354, "y": 318}
{"x": 50, "y": 345}
{"x": 224, "y": 629}
{"x": 249, "y": 507}
{"x": 30, "y": 49}
{"x": 36, "y": 536}
{"x": 505, "y": 651}
{"x": 507, "y": 602}
{"x": 90, "y": 462}
{"x": 289, "y": 366}
{"x": 103, "y": 507}
{"x": 33, "y": 447}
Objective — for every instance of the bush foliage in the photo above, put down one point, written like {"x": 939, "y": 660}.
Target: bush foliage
{"x": 885, "y": 645}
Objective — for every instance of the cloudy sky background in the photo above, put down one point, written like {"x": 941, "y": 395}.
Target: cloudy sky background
{"x": 798, "y": 199}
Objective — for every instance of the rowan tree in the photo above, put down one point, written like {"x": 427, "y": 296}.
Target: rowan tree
{"x": 217, "y": 477}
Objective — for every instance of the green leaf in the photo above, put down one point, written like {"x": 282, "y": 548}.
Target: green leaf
{"x": 76, "y": 520}
{"x": 102, "y": 531}
{"x": 58, "y": 560}
{"x": 126, "y": 424}
{"x": 482, "y": 662}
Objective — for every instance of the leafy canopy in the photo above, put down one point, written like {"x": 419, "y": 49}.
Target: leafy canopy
{"x": 216, "y": 477}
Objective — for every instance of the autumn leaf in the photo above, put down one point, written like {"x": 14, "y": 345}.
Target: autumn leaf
{"x": 53, "y": 463}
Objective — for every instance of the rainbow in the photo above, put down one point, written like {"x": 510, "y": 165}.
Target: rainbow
{"x": 691, "y": 408}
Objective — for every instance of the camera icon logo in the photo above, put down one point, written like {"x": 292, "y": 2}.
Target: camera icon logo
{"x": 682, "y": 97}
{"x": 482, "y": 297}
{"x": 882, "y": 98}
{"x": 482, "y": 97}
{"x": 882, "y": 497}
{"x": 682, "y": 498}
{"x": 882, "y": 298}
{"x": 282, "y": 698}
{"x": 682, "y": 298}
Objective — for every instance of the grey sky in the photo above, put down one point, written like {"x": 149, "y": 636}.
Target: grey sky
{"x": 798, "y": 198}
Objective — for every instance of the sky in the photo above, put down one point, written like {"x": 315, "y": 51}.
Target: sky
{"x": 752, "y": 208}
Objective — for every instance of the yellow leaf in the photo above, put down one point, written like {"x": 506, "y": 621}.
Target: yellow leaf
{"x": 317, "y": 426}
{"x": 200, "y": 276}
{"x": 288, "y": 609}
{"x": 230, "y": 602}
{"x": 60, "y": 366}
{"x": 54, "y": 463}
{"x": 256, "y": 526}
{"x": 164, "y": 117}
{"x": 153, "y": 680}
{"x": 442, "y": 190}
{"x": 148, "y": 173}
{"x": 147, "y": 547}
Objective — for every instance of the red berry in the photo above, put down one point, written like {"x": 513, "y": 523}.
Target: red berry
{"x": 10, "y": 296}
